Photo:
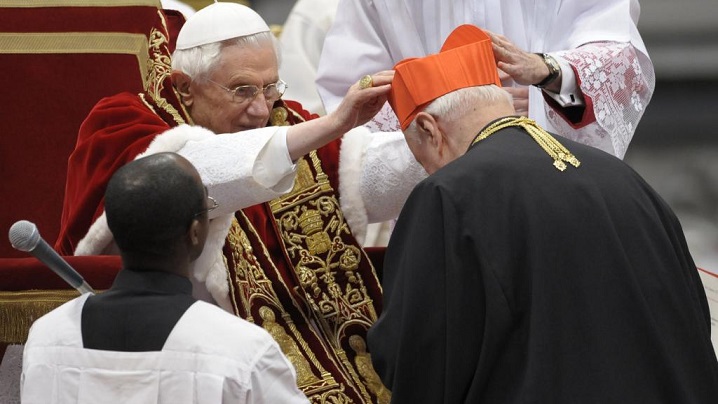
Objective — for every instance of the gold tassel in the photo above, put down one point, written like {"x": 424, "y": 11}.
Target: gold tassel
{"x": 548, "y": 143}
{"x": 18, "y": 310}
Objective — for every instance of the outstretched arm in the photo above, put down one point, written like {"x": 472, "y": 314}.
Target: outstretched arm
{"x": 357, "y": 108}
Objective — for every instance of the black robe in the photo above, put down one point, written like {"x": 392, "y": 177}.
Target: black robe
{"x": 508, "y": 281}
{"x": 138, "y": 313}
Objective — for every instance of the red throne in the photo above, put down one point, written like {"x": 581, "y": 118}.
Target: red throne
{"x": 57, "y": 62}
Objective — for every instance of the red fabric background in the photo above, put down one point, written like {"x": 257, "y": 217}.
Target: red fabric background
{"x": 19, "y": 274}
{"x": 46, "y": 97}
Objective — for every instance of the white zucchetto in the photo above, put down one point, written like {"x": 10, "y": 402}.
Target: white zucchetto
{"x": 218, "y": 22}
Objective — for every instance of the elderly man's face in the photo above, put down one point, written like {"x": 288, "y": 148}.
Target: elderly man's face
{"x": 213, "y": 107}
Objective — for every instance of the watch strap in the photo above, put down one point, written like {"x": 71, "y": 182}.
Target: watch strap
{"x": 553, "y": 70}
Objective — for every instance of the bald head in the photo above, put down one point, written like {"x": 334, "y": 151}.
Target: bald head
{"x": 152, "y": 202}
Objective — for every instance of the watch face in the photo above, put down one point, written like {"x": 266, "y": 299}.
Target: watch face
{"x": 552, "y": 64}
{"x": 553, "y": 70}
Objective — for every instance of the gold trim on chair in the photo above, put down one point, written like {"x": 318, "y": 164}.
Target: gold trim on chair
{"x": 18, "y": 310}
{"x": 78, "y": 42}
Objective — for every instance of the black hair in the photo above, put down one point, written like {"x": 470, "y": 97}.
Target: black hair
{"x": 151, "y": 202}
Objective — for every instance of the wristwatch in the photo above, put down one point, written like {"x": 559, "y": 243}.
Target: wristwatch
{"x": 553, "y": 70}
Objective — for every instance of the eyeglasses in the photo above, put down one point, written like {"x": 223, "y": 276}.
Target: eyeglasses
{"x": 272, "y": 92}
{"x": 214, "y": 205}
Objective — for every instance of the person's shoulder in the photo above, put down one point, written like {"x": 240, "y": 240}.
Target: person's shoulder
{"x": 123, "y": 99}
{"x": 121, "y": 120}
{"x": 467, "y": 176}
{"x": 463, "y": 171}
{"x": 65, "y": 310}
{"x": 218, "y": 325}
{"x": 117, "y": 109}
{"x": 60, "y": 324}
{"x": 210, "y": 332}
{"x": 593, "y": 155}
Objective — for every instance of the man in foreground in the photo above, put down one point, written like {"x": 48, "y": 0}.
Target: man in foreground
{"x": 525, "y": 269}
{"x": 146, "y": 339}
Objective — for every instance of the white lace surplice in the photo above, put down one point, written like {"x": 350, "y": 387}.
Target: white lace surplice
{"x": 615, "y": 78}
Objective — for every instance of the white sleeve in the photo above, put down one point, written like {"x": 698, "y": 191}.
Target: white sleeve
{"x": 274, "y": 380}
{"x": 376, "y": 174}
{"x": 242, "y": 169}
{"x": 354, "y": 46}
{"x": 570, "y": 94}
{"x": 617, "y": 82}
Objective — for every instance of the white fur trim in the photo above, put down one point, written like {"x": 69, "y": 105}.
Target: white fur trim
{"x": 209, "y": 268}
{"x": 97, "y": 240}
{"x": 174, "y": 139}
{"x": 351, "y": 157}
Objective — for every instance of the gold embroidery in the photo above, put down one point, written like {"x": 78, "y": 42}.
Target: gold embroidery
{"x": 331, "y": 288}
{"x": 279, "y": 117}
{"x": 159, "y": 68}
{"x": 548, "y": 143}
{"x": 306, "y": 212}
{"x": 311, "y": 226}
{"x": 251, "y": 280}
{"x": 147, "y": 104}
{"x": 302, "y": 245}
{"x": 255, "y": 288}
{"x": 289, "y": 347}
{"x": 366, "y": 370}
{"x": 311, "y": 223}
{"x": 230, "y": 281}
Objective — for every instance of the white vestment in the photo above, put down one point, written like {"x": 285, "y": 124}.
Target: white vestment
{"x": 209, "y": 357}
{"x": 598, "y": 39}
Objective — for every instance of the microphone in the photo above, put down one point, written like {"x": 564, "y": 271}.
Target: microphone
{"x": 24, "y": 236}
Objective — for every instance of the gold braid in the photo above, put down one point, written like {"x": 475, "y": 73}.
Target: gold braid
{"x": 548, "y": 143}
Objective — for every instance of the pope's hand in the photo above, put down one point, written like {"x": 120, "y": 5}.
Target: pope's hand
{"x": 357, "y": 108}
{"x": 361, "y": 104}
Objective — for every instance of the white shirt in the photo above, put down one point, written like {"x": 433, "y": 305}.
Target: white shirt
{"x": 209, "y": 357}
